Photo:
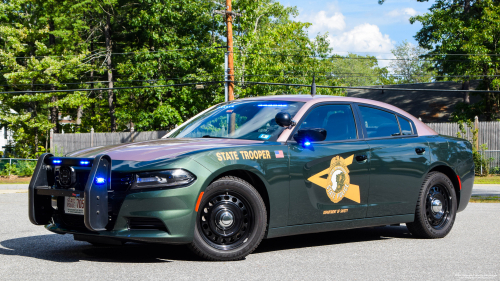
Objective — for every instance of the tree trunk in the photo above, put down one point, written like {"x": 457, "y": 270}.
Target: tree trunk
{"x": 34, "y": 114}
{"x": 466, "y": 86}
{"x": 466, "y": 6}
{"x": 54, "y": 110}
{"x": 111, "y": 93}
{"x": 79, "y": 112}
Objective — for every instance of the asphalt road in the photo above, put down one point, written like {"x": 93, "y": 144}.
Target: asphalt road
{"x": 470, "y": 251}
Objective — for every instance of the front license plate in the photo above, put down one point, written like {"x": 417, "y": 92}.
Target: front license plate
{"x": 73, "y": 205}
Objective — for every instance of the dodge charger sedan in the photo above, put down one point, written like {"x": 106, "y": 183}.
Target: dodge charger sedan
{"x": 257, "y": 168}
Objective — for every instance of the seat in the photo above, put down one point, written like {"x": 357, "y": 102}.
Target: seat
{"x": 339, "y": 126}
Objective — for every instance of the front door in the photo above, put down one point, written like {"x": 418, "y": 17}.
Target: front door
{"x": 329, "y": 180}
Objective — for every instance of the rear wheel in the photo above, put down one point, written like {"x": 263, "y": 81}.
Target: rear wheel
{"x": 231, "y": 221}
{"x": 436, "y": 208}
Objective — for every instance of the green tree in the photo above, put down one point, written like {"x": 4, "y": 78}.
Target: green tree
{"x": 31, "y": 55}
{"x": 357, "y": 70}
{"x": 463, "y": 36}
{"x": 411, "y": 65}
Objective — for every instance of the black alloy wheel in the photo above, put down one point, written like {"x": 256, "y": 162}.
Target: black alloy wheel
{"x": 226, "y": 220}
{"x": 231, "y": 220}
{"x": 436, "y": 207}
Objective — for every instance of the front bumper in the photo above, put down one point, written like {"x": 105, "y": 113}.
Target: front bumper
{"x": 173, "y": 207}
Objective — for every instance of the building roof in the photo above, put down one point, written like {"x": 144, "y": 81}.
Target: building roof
{"x": 429, "y": 105}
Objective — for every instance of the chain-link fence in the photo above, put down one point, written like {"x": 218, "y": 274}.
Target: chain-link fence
{"x": 17, "y": 166}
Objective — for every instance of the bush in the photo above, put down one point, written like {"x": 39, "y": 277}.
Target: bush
{"x": 8, "y": 170}
{"x": 26, "y": 168}
{"x": 481, "y": 163}
{"x": 21, "y": 169}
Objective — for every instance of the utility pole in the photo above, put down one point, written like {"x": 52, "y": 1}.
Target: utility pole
{"x": 229, "y": 66}
{"x": 230, "y": 59}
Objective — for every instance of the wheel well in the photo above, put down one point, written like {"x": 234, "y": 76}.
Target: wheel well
{"x": 252, "y": 179}
{"x": 452, "y": 176}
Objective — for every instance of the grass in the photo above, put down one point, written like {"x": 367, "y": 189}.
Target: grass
{"x": 485, "y": 199}
{"x": 491, "y": 179}
{"x": 25, "y": 180}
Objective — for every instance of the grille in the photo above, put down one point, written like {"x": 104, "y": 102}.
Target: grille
{"x": 146, "y": 223}
{"x": 120, "y": 183}
{"x": 73, "y": 221}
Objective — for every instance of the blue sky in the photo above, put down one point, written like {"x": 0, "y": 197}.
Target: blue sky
{"x": 362, "y": 26}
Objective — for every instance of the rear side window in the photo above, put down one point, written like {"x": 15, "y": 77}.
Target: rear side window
{"x": 405, "y": 126}
{"x": 379, "y": 123}
{"x": 337, "y": 120}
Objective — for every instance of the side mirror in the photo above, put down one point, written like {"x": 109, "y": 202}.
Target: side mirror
{"x": 307, "y": 135}
{"x": 284, "y": 119}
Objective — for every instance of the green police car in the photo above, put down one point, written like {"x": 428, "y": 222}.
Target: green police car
{"x": 257, "y": 168}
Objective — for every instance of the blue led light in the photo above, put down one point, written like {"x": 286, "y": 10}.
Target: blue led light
{"x": 56, "y": 161}
{"x": 100, "y": 180}
{"x": 83, "y": 162}
{"x": 307, "y": 143}
{"x": 275, "y": 105}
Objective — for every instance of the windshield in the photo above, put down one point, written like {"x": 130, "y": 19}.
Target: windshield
{"x": 251, "y": 120}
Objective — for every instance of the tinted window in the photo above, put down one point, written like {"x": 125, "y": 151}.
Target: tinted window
{"x": 379, "y": 123}
{"x": 405, "y": 126}
{"x": 337, "y": 120}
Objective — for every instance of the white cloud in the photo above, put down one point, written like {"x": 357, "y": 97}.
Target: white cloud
{"x": 362, "y": 38}
{"x": 402, "y": 14}
{"x": 326, "y": 21}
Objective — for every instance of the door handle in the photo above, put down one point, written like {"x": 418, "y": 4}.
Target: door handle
{"x": 420, "y": 150}
{"x": 361, "y": 158}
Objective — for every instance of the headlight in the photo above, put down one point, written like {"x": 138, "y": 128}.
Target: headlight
{"x": 165, "y": 178}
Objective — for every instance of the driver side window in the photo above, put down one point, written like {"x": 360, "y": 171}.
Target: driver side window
{"x": 337, "y": 120}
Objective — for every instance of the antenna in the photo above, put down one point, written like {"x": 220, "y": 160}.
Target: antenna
{"x": 313, "y": 87}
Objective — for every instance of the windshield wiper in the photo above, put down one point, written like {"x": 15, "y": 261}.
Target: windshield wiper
{"x": 212, "y": 137}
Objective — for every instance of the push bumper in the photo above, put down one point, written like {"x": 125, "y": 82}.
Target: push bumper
{"x": 173, "y": 208}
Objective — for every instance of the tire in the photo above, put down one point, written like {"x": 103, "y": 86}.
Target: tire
{"x": 436, "y": 208}
{"x": 231, "y": 221}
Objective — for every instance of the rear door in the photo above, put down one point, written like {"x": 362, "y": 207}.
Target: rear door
{"x": 399, "y": 161}
{"x": 327, "y": 182}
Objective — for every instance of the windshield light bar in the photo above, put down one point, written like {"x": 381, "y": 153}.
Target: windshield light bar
{"x": 273, "y": 105}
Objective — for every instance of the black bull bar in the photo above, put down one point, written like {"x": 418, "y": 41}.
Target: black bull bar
{"x": 95, "y": 193}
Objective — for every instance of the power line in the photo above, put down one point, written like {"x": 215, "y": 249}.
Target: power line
{"x": 368, "y": 88}
{"x": 338, "y": 75}
{"x": 123, "y": 53}
{"x": 355, "y": 58}
{"x": 115, "y": 88}
{"x": 118, "y": 81}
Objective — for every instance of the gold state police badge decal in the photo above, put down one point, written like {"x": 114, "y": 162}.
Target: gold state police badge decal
{"x": 337, "y": 184}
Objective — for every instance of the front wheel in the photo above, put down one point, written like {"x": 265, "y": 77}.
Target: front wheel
{"x": 436, "y": 208}
{"x": 231, "y": 221}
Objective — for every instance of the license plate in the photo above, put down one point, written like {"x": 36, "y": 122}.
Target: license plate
{"x": 73, "y": 205}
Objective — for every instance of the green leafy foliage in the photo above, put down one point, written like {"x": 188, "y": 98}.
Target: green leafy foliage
{"x": 481, "y": 163}
{"x": 73, "y": 45}
{"x": 463, "y": 36}
{"x": 19, "y": 168}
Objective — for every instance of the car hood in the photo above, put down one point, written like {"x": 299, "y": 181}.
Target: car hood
{"x": 159, "y": 149}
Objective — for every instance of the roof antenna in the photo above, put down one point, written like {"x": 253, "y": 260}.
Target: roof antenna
{"x": 313, "y": 87}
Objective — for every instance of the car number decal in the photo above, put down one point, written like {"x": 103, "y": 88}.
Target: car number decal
{"x": 337, "y": 184}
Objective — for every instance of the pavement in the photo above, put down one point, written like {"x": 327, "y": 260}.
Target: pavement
{"x": 477, "y": 190}
{"x": 486, "y": 190}
{"x": 470, "y": 251}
